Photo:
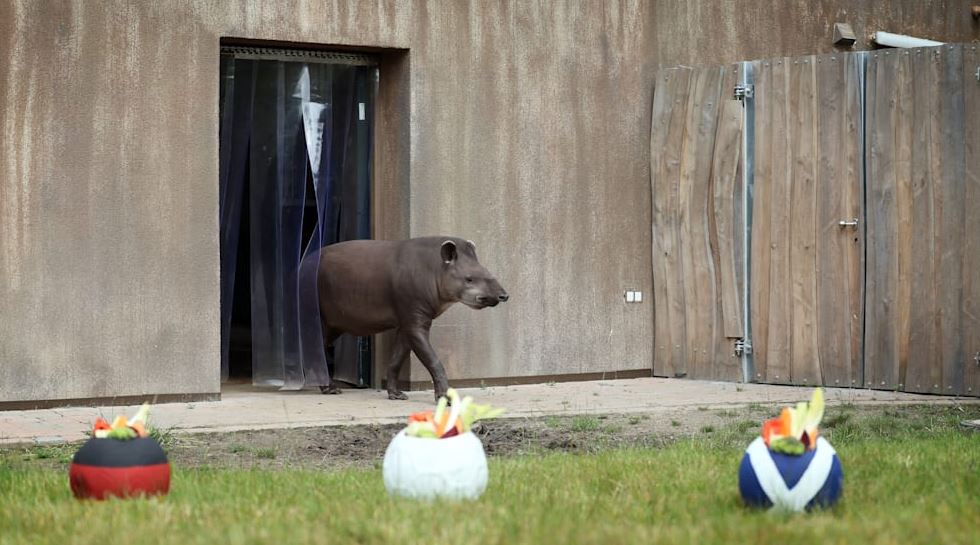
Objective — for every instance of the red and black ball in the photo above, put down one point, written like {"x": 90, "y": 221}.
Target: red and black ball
{"x": 110, "y": 467}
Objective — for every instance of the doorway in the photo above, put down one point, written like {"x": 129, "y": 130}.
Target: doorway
{"x": 296, "y": 136}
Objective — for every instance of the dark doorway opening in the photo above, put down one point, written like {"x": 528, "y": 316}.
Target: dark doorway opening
{"x": 296, "y": 155}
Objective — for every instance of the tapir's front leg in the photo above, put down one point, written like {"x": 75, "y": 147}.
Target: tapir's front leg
{"x": 399, "y": 354}
{"x": 418, "y": 339}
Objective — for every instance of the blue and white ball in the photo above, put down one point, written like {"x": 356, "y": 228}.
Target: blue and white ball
{"x": 772, "y": 479}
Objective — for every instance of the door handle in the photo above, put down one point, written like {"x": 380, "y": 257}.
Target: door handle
{"x": 845, "y": 223}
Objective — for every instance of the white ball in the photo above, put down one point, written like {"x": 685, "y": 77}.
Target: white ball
{"x": 454, "y": 468}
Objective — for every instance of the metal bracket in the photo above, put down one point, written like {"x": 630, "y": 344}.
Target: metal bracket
{"x": 742, "y": 92}
{"x": 977, "y": 73}
{"x": 977, "y": 359}
{"x": 743, "y": 347}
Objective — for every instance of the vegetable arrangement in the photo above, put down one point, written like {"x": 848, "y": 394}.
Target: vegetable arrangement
{"x": 452, "y": 416}
{"x": 122, "y": 428}
{"x": 795, "y": 430}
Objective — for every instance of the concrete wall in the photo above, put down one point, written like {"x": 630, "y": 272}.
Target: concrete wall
{"x": 521, "y": 125}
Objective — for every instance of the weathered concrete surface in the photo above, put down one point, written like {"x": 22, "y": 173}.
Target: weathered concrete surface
{"x": 249, "y": 409}
{"x": 521, "y": 125}
{"x": 721, "y": 31}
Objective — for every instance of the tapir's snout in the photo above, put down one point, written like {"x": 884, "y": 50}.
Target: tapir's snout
{"x": 490, "y": 301}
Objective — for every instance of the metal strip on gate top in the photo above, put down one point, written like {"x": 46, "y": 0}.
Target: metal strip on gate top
{"x": 300, "y": 55}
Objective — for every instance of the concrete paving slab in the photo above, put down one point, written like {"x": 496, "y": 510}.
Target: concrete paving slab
{"x": 248, "y": 408}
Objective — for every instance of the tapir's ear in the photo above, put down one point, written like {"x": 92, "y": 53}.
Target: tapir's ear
{"x": 448, "y": 252}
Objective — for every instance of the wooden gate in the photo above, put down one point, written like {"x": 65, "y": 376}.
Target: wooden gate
{"x": 894, "y": 129}
{"x": 923, "y": 194}
{"x": 697, "y": 222}
{"x": 807, "y": 266}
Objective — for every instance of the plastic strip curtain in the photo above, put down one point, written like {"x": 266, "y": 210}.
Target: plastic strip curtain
{"x": 302, "y": 130}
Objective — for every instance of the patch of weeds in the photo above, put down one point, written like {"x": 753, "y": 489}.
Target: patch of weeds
{"x": 237, "y": 449}
{"x": 727, "y": 413}
{"x": 614, "y": 429}
{"x": 634, "y": 420}
{"x": 675, "y": 423}
{"x": 702, "y": 409}
{"x": 746, "y": 425}
{"x": 707, "y": 429}
{"x": 163, "y": 436}
{"x": 552, "y": 422}
{"x": 835, "y": 420}
{"x": 739, "y": 388}
{"x": 585, "y": 423}
{"x": 265, "y": 453}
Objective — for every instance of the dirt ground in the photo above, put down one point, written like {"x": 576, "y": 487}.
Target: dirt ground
{"x": 364, "y": 446}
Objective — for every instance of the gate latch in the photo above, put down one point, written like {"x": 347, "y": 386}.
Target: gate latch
{"x": 742, "y": 347}
{"x": 742, "y": 92}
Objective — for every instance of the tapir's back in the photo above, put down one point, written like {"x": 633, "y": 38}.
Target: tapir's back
{"x": 354, "y": 282}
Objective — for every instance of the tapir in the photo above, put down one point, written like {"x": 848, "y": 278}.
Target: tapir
{"x": 371, "y": 286}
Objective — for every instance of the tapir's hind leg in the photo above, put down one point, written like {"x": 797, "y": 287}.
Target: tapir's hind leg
{"x": 329, "y": 336}
{"x": 399, "y": 355}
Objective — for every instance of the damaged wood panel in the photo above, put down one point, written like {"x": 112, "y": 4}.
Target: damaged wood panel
{"x": 728, "y": 147}
{"x": 695, "y": 139}
{"x": 667, "y": 128}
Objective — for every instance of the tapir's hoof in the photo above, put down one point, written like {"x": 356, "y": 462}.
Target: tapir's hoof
{"x": 398, "y": 396}
{"x": 330, "y": 389}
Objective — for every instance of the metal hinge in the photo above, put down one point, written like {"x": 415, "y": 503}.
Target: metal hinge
{"x": 743, "y": 92}
{"x": 977, "y": 73}
{"x": 742, "y": 347}
{"x": 977, "y": 359}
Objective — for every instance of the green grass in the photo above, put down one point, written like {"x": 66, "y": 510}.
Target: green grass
{"x": 907, "y": 480}
{"x": 585, "y": 423}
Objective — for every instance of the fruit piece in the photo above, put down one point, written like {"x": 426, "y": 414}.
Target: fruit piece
{"x": 140, "y": 415}
{"x": 770, "y": 430}
{"x": 424, "y": 416}
{"x": 788, "y": 445}
{"x": 813, "y": 417}
{"x": 139, "y": 428}
{"x": 120, "y": 422}
{"x": 123, "y": 433}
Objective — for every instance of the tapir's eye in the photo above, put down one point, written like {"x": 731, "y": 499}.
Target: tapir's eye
{"x": 469, "y": 279}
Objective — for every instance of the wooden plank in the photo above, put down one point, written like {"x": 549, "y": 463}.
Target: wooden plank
{"x": 833, "y": 295}
{"x": 780, "y": 209}
{"x": 804, "y": 362}
{"x": 698, "y": 266}
{"x": 950, "y": 215}
{"x": 882, "y": 276}
{"x": 760, "y": 245}
{"x": 670, "y": 316}
{"x": 852, "y": 189}
{"x": 727, "y": 151}
{"x": 923, "y": 373}
{"x": 659, "y": 125}
{"x": 971, "y": 242}
{"x": 759, "y": 286}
